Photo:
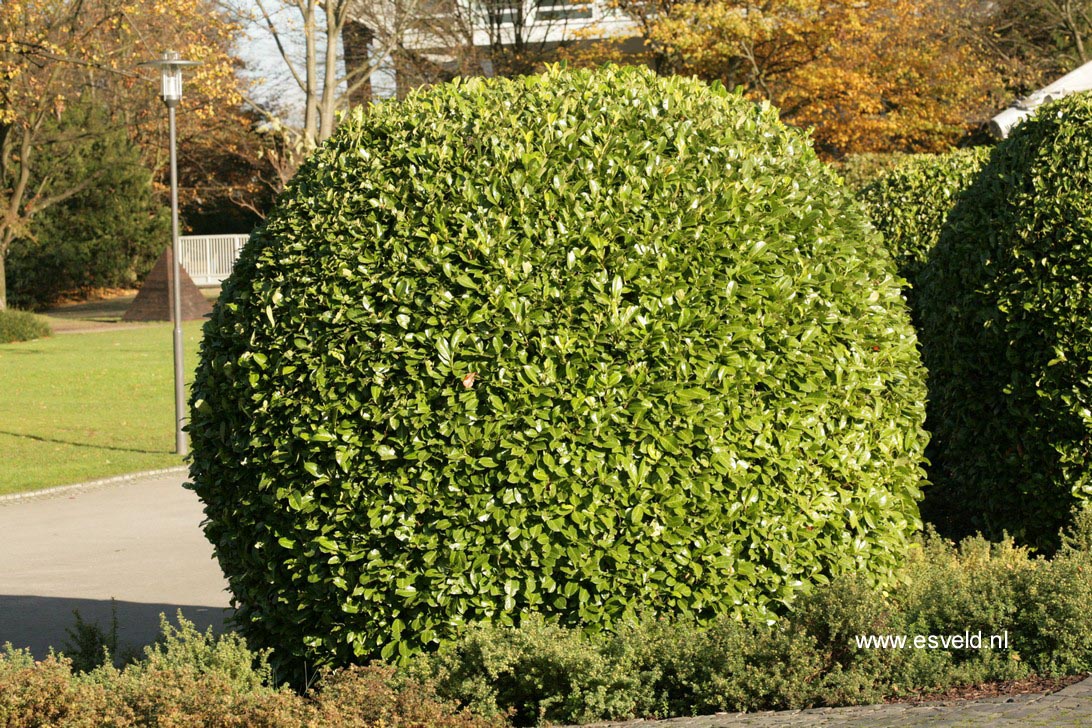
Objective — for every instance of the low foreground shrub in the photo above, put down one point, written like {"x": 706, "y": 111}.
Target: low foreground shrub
{"x": 654, "y": 667}
{"x": 21, "y": 326}
{"x": 811, "y": 657}
{"x": 194, "y": 679}
{"x": 1006, "y": 330}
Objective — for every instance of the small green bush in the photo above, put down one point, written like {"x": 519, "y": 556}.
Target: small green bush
{"x": 574, "y": 344}
{"x": 88, "y": 645}
{"x": 1057, "y": 632}
{"x": 194, "y": 679}
{"x": 727, "y": 666}
{"x": 541, "y": 672}
{"x": 910, "y": 203}
{"x": 1006, "y": 328}
{"x": 21, "y": 326}
{"x": 1077, "y": 537}
{"x": 227, "y": 655}
{"x": 999, "y": 587}
{"x": 977, "y": 586}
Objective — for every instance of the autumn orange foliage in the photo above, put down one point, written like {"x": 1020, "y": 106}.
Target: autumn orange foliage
{"x": 908, "y": 76}
{"x": 883, "y": 75}
{"x": 54, "y": 50}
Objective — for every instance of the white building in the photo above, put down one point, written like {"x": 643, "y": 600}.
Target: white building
{"x": 449, "y": 33}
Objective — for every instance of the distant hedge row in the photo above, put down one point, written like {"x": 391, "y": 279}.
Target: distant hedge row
{"x": 910, "y": 203}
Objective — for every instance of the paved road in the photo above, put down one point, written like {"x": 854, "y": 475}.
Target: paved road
{"x": 1068, "y": 708}
{"x": 137, "y": 541}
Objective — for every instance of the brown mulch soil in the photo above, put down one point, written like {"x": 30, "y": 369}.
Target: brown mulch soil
{"x": 1033, "y": 685}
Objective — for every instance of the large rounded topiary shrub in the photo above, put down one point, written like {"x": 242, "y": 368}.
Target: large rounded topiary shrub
{"x": 580, "y": 344}
{"x": 1006, "y": 308}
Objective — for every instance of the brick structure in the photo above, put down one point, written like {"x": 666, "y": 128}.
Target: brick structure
{"x": 153, "y": 302}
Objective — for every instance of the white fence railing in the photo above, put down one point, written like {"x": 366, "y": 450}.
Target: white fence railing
{"x": 209, "y": 258}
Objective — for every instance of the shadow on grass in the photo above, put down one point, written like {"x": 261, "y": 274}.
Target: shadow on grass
{"x": 38, "y": 623}
{"x": 107, "y": 310}
{"x": 56, "y": 441}
{"x": 104, "y": 311}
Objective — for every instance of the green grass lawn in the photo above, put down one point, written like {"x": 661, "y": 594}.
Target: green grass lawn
{"x": 81, "y": 406}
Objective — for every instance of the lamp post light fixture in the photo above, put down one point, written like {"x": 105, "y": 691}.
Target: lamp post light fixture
{"x": 171, "y": 68}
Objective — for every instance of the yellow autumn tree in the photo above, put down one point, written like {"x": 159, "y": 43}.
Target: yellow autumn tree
{"x": 881, "y": 75}
{"x": 53, "y": 52}
{"x": 907, "y": 75}
{"x": 755, "y": 45}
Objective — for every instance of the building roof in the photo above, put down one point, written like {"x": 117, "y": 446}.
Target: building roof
{"x": 1074, "y": 81}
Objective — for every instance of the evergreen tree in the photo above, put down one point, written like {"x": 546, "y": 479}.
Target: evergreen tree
{"x": 108, "y": 235}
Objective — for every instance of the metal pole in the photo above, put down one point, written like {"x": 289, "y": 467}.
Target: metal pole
{"x": 181, "y": 446}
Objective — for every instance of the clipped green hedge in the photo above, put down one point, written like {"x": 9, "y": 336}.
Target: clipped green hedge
{"x": 21, "y": 326}
{"x": 910, "y": 204}
{"x": 577, "y": 344}
{"x": 860, "y": 170}
{"x": 1006, "y": 311}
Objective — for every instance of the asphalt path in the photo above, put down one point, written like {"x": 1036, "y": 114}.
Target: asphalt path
{"x": 132, "y": 542}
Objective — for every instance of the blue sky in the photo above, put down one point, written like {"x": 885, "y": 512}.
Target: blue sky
{"x": 274, "y": 86}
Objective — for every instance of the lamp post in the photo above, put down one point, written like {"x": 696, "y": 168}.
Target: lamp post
{"x": 171, "y": 67}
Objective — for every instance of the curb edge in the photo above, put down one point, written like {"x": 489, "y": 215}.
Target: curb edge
{"x": 77, "y": 487}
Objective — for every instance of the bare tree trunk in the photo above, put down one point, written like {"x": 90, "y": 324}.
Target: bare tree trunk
{"x": 13, "y": 216}
{"x": 356, "y": 40}
{"x": 7, "y": 236}
{"x": 1076, "y": 30}
{"x": 328, "y": 102}
{"x": 369, "y": 30}
{"x": 310, "y": 113}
